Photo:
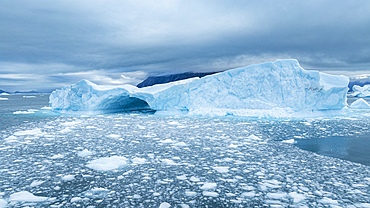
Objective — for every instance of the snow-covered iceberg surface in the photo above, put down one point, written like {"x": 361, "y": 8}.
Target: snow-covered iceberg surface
{"x": 359, "y": 91}
{"x": 279, "y": 88}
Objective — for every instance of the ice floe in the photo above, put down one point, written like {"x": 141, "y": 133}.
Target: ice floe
{"x": 107, "y": 163}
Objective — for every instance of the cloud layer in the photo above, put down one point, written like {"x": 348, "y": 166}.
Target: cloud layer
{"x": 47, "y": 44}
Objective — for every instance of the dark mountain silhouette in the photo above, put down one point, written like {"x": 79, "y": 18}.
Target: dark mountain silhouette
{"x": 153, "y": 80}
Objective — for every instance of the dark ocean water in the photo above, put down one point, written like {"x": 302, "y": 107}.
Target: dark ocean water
{"x": 14, "y": 111}
{"x": 353, "y": 148}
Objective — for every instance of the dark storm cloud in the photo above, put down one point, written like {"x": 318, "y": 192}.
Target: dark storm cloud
{"x": 51, "y": 43}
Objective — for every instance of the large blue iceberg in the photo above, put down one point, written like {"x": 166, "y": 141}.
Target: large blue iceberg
{"x": 274, "y": 89}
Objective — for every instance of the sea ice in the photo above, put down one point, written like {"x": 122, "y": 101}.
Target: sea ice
{"x": 30, "y": 111}
{"x": 107, "y": 163}
{"x": 36, "y": 131}
{"x": 84, "y": 153}
{"x": 210, "y": 193}
{"x": 289, "y": 141}
{"x": 36, "y": 183}
{"x": 164, "y": 205}
{"x": 208, "y": 186}
{"x": 275, "y": 89}
{"x": 221, "y": 169}
{"x": 139, "y": 161}
{"x": 3, "y": 203}
{"x": 25, "y": 196}
{"x": 68, "y": 178}
{"x": 96, "y": 193}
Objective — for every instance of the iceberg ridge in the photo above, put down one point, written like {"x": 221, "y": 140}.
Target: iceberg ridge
{"x": 273, "y": 89}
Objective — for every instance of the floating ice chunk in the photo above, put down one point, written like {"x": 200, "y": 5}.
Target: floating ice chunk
{"x": 68, "y": 178}
{"x": 271, "y": 183}
{"x": 221, "y": 169}
{"x": 25, "y": 196}
{"x": 167, "y": 141}
{"x": 360, "y": 104}
{"x": 46, "y": 108}
{"x": 190, "y": 193}
{"x": 184, "y": 206}
{"x": 208, "y": 186}
{"x": 107, "y": 163}
{"x": 11, "y": 139}
{"x": 1, "y": 98}
{"x": 182, "y": 177}
{"x": 24, "y": 112}
{"x": 253, "y": 137}
{"x": 96, "y": 193}
{"x": 137, "y": 196}
{"x": 297, "y": 198}
{"x": 66, "y": 130}
{"x": 29, "y": 96}
{"x": 140, "y": 161}
{"x": 194, "y": 179}
{"x": 169, "y": 162}
{"x": 289, "y": 141}
{"x": 210, "y": 193}
{"x": 3, "y": 203}
{"x": 164, "y": 205}
{"x": 35, "y": 131}
{"x": 328, "y": 201}
{"x": 249, "y": 194}
{"x": 173, "y": 123}
{"x": 58, "y": 156}
{"x": 317, "y": 193}
{"x": 364, "y": 205}
{"x": 279, "y": 195}
{"x": 230, "y": 194}
{"x": 114, "y": 135}
{"x": 71, "y": 123}
{"x": 36, "y": 183}
{"x": 84, "y": 153}
{"x": 180, "y": 144}
{"x": 74, "y": 199}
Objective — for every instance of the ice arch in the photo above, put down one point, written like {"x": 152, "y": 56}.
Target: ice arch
{"x": 274, "y": 89}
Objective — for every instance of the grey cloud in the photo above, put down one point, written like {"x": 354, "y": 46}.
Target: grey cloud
{"x": 108, "y": 38}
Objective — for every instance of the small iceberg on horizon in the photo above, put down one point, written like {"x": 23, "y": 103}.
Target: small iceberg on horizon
{"x": 359, "y": 91}
{"x": 274, "y": 89}
{"x": 360, "y": 104}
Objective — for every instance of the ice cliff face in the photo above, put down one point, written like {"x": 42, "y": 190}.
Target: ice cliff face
{"x": 274, "y": 89}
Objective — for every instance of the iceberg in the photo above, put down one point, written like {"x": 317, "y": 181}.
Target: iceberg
{"x": 274, "y": 89}
{"x": 359, "y": 91}
{"x": 360, "y": 104}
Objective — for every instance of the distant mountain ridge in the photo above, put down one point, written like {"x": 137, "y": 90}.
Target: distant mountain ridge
{"x": 33, "y": 91}
{"x": 2, "y": 91}
{"x": 153, "y": 80}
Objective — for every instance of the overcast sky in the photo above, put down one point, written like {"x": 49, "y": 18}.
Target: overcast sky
{"x": 47, "y": 44}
